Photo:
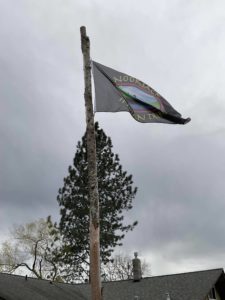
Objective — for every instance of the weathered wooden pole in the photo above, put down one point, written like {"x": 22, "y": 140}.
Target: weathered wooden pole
{"x": 92, "y": 172}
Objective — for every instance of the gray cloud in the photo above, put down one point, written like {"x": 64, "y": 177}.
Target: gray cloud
{"x": 176, "y": 47}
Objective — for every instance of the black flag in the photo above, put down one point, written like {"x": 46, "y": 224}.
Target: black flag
{"x": 116, "y": 91}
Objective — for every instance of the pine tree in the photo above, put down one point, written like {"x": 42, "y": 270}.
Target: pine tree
{"x": 116, "y": 193}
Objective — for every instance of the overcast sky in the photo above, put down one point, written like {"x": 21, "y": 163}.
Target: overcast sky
{"x": 175, "y": 46}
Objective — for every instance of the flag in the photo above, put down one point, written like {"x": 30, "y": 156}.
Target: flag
{"x": 116, "y": 91}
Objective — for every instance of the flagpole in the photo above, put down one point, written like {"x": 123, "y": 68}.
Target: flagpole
{"x": 92, "y": 172}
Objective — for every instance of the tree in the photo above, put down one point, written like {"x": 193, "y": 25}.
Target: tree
{"x": 121, "y": 268}
{"x": 31, "y": 248}
{"x": 116, "y": 193}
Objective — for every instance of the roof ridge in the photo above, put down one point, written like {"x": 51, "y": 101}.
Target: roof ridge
{"x": 144, "y": 278}
{"x": 175, "y": 274}
{"x": 191, "y": 272}
{"x": 23, "y": 276}
{"x": 39, "y": 279}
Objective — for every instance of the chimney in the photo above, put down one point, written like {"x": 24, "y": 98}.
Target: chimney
{"x": 136, "y": 268}
{"x": 168, "y": 296}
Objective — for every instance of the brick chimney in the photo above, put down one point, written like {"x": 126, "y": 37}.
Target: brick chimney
{"x": 136, "y": 268}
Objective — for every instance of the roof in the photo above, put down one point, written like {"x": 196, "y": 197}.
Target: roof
{"x": 185, "y": 286}
{"x": 14, "y": 287}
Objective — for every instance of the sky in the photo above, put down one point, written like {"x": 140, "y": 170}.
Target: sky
{"x": 177, "y": 47}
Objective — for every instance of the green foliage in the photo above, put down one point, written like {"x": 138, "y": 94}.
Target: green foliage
{"x": 116, "y": 193}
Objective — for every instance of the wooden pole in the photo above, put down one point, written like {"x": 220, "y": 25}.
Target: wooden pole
{"x": 92, "y": 172}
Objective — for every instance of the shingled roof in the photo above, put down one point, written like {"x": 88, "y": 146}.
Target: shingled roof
{"x": 185, "y": 286}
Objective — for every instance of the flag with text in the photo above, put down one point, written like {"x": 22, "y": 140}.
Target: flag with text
{"x": 116, "y": 91}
